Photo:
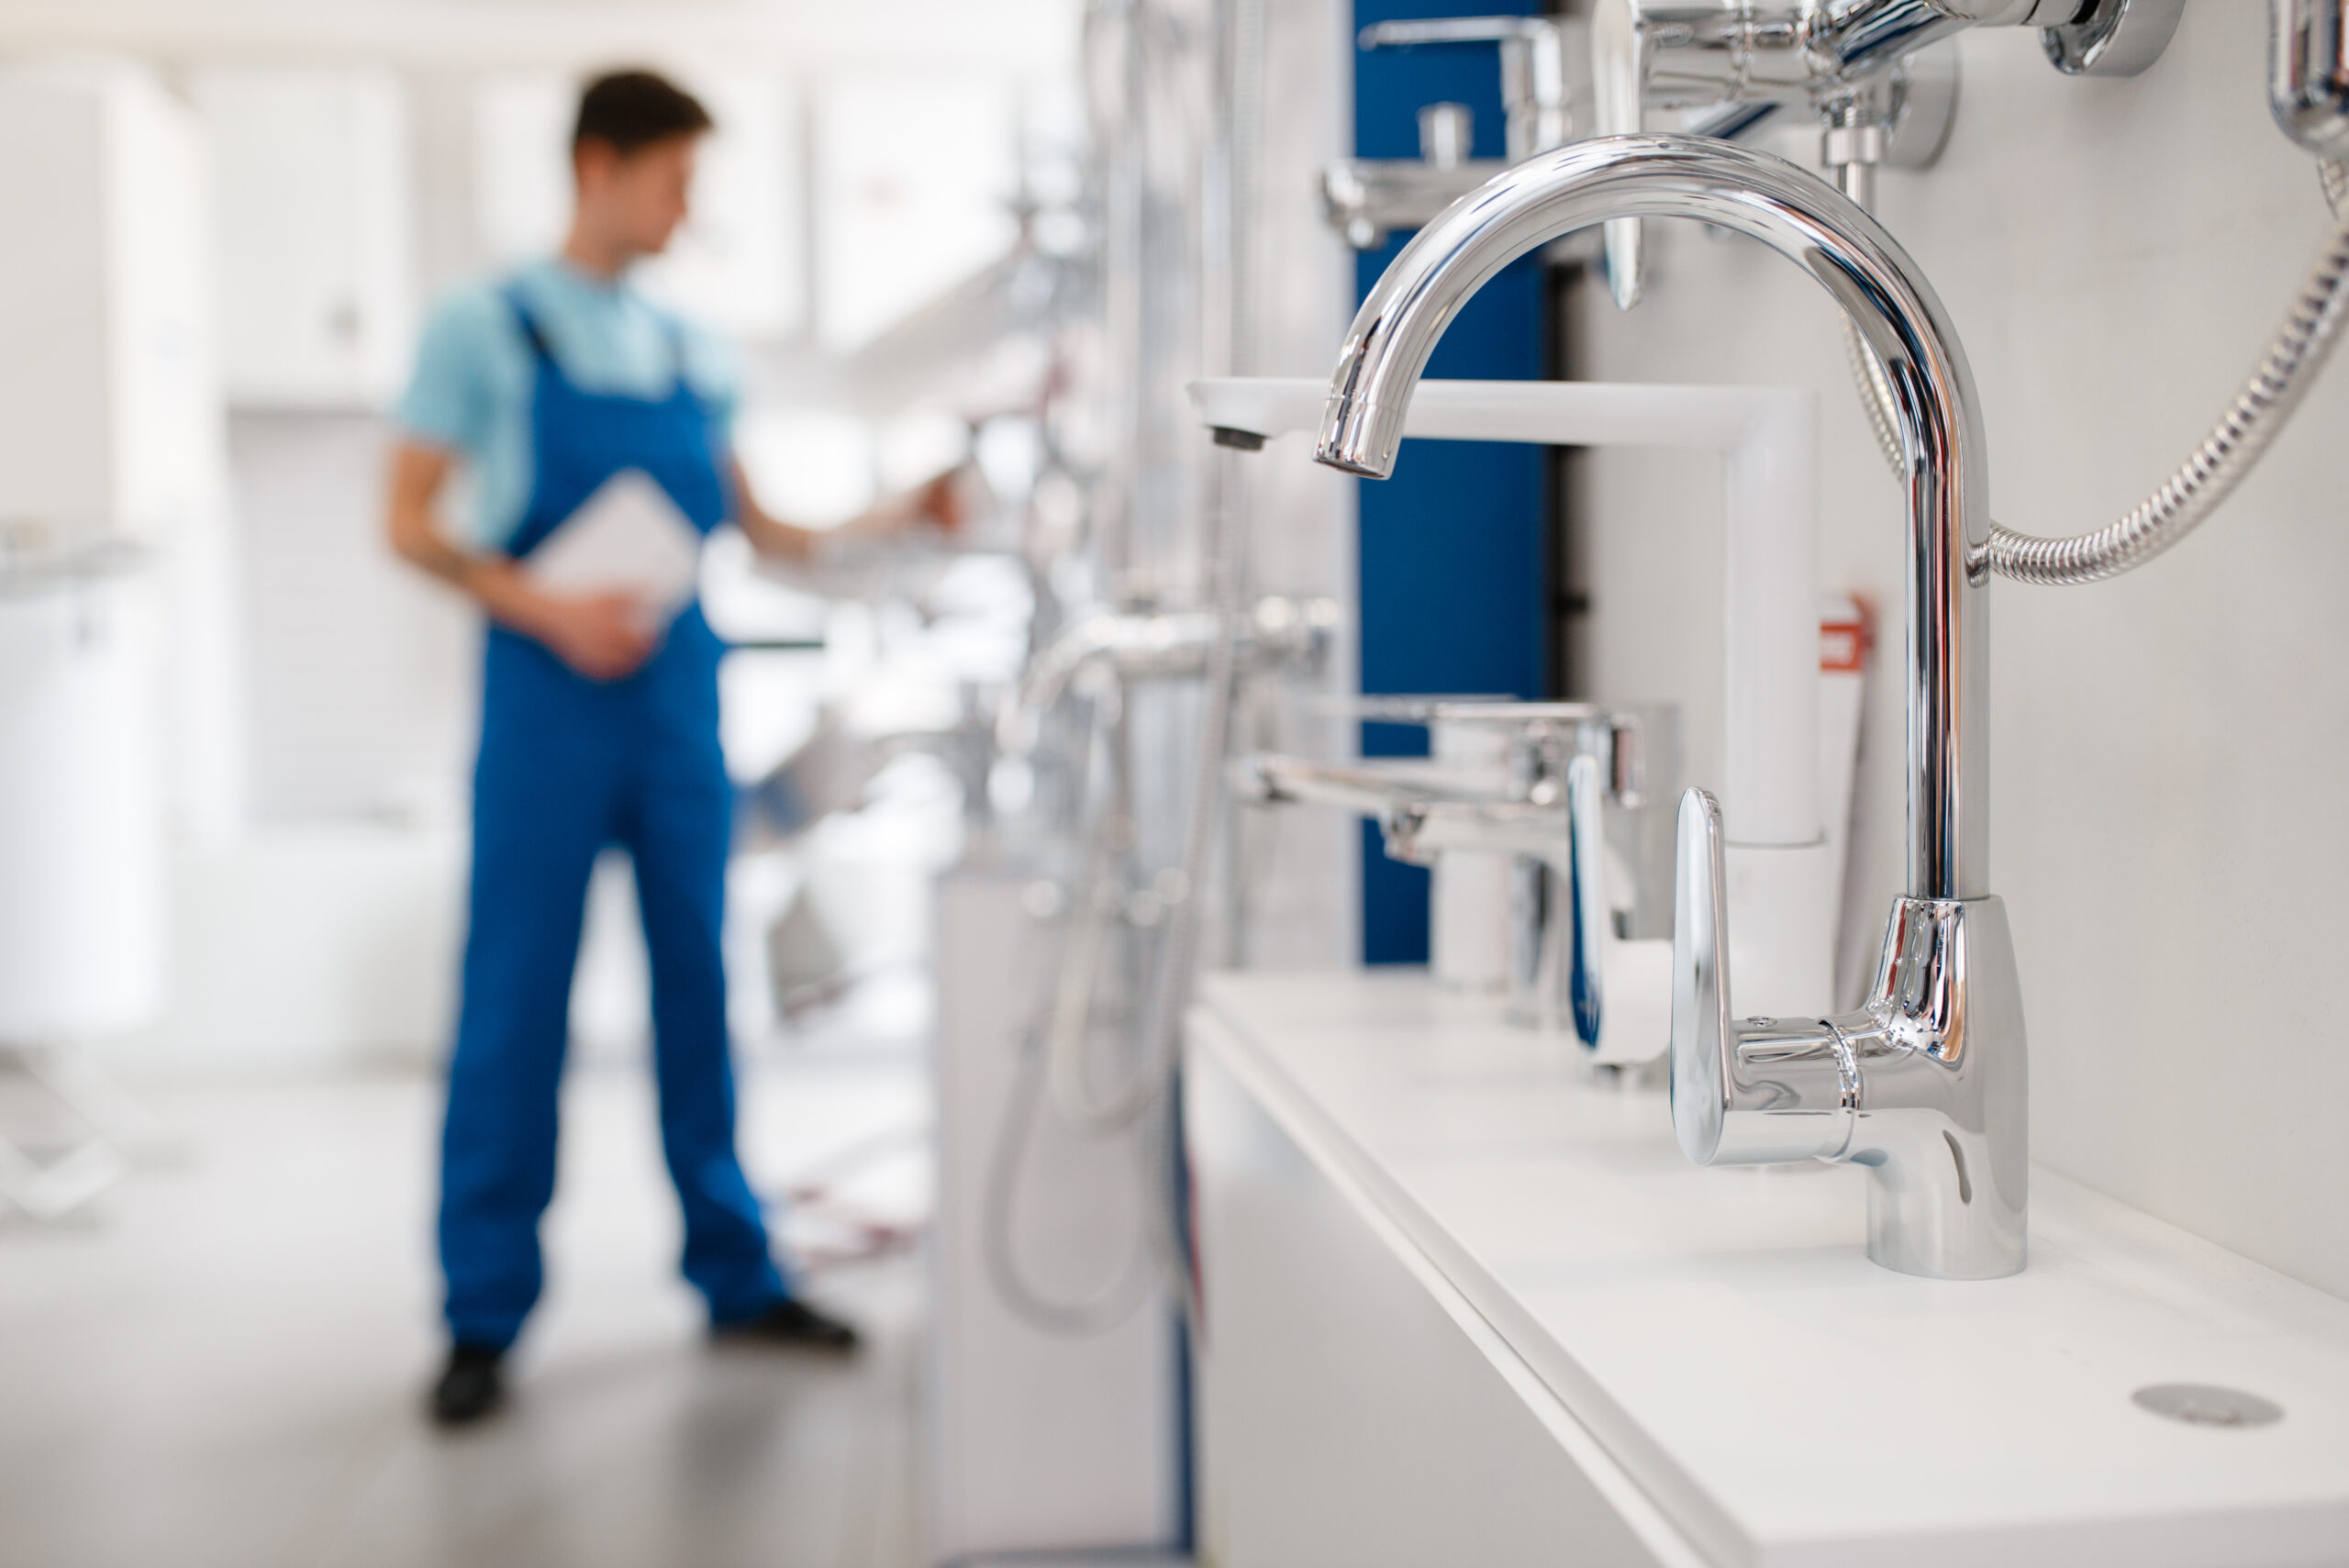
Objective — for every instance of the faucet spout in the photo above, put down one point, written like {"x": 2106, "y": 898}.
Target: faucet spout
{"x": 1815, "y": 227}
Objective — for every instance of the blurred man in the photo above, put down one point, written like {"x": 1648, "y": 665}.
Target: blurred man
{"x": 599, "y": 726}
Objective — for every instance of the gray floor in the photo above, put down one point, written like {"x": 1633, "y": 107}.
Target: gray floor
{"x": 223, "y": 1364}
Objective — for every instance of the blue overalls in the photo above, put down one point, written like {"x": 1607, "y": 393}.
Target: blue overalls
{"x": 568, "y": 765}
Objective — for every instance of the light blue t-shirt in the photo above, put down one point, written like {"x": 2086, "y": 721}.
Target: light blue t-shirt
{"x": 471, "y": 392}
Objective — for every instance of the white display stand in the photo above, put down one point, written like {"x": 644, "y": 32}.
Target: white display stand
{"x": 1038, "y": 1441}
{"x": 1466, "y": 1304}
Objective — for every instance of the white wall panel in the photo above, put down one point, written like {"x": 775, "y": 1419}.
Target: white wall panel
{"x": 2165, "y": 748}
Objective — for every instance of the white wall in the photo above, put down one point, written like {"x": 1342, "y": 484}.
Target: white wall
{"x": 363, "y": 673}
{"x": 2114, "y": 254}
{"x": 802, "y": 36}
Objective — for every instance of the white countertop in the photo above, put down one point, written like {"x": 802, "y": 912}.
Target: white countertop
{"x": 1723, "y": 1337}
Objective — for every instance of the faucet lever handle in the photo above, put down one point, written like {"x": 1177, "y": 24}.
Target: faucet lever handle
{"x": 1744, "y": 1091}
{"x": 1701, "y": 1027}
{"x": 1586, "y": 886}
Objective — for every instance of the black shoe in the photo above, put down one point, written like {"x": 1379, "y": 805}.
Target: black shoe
{"x": 790, "y": 1322}
{"x": 469, "y": 1386}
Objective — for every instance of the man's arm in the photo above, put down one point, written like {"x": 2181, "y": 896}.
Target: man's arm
{"x": 771, "y": 535}
{"x": 602, "y": 636}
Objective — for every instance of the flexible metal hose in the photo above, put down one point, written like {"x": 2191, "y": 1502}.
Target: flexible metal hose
{"x": 1111, "y": 52}
{"x": 1055, "y": 1059}
{"x": 2217, "y": 465}
{"x": 1170, "y": 988}
{"x": 1096, "y": 1314}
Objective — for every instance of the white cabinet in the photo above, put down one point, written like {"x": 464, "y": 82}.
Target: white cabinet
{"x": 311, "y": 233}
{"x": 1465, "y": 1303}
{"x": 109, "y": 426}
{"x": 108, "y": 415}
{"x": 1043, "y": 1438}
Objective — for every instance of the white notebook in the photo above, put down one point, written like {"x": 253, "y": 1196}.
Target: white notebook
{"x": 627, "y": 538}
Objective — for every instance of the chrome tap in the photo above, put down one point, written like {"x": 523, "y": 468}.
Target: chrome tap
{"x": 1364, "y": 197}
{"x": 1282, "y": 632}
{"x": 1575, "y": 771}
{"x": 1925, "y": 1085}
{"x": 1858, "y": 64}
{"x": 1559, "y": 920}
{"x": 1573, "y": 767}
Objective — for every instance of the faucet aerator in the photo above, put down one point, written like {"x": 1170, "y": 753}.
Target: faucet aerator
{"x": 1354, "y": 466}
{"x": 1354, "y": 438}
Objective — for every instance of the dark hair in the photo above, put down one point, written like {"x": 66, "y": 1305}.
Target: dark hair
{"x": 629, "y": 110}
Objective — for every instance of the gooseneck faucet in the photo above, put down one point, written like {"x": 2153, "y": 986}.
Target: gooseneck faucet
{"x": 1925, "y": 1085}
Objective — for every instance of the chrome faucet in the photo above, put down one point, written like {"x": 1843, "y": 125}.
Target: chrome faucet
{"x": 1143, "y": 645}
{"x": 1364, "y": 198}
{"x": 1925, "y": 1085}
{"x": 1576, "y": 772}
{"x": 1860, "y": 65}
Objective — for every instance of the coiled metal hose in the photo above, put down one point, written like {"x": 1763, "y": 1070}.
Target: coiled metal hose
{"x": 2209, "y": 474}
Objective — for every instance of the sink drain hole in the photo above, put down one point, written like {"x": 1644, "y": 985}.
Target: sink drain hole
{"x": 2207, "y": 1405}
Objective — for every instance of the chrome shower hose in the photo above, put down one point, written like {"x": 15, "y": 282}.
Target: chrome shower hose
{"x": 2218, "y": 463}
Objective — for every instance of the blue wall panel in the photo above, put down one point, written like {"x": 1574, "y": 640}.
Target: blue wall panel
{"x": 1454, "y": 586}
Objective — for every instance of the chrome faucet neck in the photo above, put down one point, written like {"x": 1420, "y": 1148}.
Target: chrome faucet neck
{"x": 1817, "y": 228}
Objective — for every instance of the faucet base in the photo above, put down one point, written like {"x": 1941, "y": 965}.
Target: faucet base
{"x": 1925, "y": 1086}
{"x": 1940, "y": 1117}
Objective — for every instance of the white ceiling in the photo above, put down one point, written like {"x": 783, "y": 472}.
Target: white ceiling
{"x": 803, "y": 37}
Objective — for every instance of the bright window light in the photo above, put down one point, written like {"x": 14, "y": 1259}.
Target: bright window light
{"x": 809, "y": 467}
{"x": 914, "y": 185}
{"x": 738, "y": 266}
{"x": 523, "y": 163}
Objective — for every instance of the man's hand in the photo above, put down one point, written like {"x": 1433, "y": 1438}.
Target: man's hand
{"x": 938, "y": 503}
{"x": 604, "y": 637}
{"x": 942, "y": 501}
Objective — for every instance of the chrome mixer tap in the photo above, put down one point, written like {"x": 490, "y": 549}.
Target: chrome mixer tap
{"x": 1925, "y": 1085}
{"x": 1866, "y": 68}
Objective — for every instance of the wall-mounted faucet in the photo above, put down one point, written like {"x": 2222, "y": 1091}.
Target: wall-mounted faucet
{"x": 1925, "y": 1085}
{"x": 1364, "y": 198}
{"x": 1855, "y": 63}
